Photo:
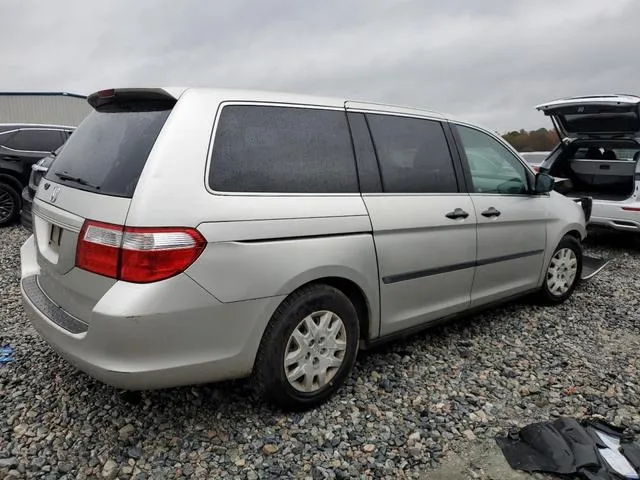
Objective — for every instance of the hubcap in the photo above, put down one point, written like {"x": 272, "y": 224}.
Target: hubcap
{"x": 6, "y": 205}
{"x": 315, "y": 351}
{"x": 562, "y": 271}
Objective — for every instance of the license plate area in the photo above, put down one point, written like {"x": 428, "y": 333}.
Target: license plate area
{"x": 55, "y": 238}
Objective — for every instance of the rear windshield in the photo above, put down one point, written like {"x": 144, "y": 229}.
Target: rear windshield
{"x": 108, "y": 151}
{"x": 601, "y": 123}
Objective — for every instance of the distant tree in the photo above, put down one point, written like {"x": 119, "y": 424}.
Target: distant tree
{"x": 532, "y": 141}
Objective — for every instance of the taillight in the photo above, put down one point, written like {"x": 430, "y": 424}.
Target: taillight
{"x": 631, "y": 209}
{"x": 98, "y": 248}
{"x": 536, "y": 168}
{"x": 137, "y": 254}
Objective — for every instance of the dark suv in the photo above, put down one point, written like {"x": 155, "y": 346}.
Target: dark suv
{"x": 22, "y": 146}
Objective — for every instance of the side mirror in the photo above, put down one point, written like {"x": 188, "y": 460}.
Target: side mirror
{"x": 544, "y": 183}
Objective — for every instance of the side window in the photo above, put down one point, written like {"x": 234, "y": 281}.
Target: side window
{"x": 413, "y": 154}
{"x": 5, "y": 137}
{"x": 494, "y": 169}
{"x": 282, "y": 150}
{"x": 35, "y": 140}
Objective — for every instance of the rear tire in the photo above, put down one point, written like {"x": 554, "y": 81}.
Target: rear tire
{"x": 9, "y": 204}
{"x": 563, "y": 272}
{"x": 308, "y": 348}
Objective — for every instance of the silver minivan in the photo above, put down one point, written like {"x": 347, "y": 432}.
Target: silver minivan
{"x": 193, "y": 235}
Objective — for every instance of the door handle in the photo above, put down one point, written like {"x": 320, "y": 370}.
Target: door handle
{"x": 457, "y": 213}
{"x": 10, "y": 158}
{"x": 491, "y": 212}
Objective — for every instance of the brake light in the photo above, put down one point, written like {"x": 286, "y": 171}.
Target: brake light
{"x": 631, "y": 209}
{"x": 109, "y": 93}
{"x": 137, "y": 254}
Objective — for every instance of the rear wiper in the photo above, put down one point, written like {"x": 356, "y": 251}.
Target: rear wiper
{"x": 78, "y": 180}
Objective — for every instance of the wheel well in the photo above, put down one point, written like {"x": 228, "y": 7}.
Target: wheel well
{"x": 357, "y": 297}
{"x": 11, "y": 181}
{"x": 575, "y": 234}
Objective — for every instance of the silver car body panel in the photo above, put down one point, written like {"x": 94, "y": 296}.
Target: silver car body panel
{"x": 411, "y": 263}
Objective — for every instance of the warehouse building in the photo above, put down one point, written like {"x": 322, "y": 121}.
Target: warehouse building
{"x": 55, "y": 108}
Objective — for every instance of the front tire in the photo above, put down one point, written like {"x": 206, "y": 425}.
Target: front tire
{"x": 9, "y": 204}
{"x": 563, "y": 272}
{"x": 308, "y": 348}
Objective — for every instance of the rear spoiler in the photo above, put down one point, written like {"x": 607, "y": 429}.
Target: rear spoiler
{"x": 125, "y": 95}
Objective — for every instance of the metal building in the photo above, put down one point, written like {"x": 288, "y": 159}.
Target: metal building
{"x": 57, "y": 108}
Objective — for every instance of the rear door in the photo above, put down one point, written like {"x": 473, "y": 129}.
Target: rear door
{"x": 603, "y": 116}
{"x": 94, "y": 177}
{"x": 424, "y": 224}
{"x": 512, "y": 222}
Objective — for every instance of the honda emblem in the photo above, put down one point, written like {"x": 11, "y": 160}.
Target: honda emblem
{"x": 54, "y": 194}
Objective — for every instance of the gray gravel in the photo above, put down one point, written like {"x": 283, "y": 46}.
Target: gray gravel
{"x": 405, "y": 408}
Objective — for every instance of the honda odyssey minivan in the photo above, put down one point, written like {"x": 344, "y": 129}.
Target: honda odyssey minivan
{"x": 185, "y": 236}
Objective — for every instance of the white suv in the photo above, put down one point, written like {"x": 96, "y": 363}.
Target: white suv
{"x": 598, "y": 156}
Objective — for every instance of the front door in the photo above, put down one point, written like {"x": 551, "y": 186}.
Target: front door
{"x": 424, "y": 228}
{"x": 512, "y": 221}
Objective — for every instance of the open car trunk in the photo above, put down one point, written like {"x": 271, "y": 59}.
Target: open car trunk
{"x": 599, "y": 152}
{"x": 586, "y": 173}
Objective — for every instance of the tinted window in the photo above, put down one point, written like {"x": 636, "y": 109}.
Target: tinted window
{"x": 494, "y": 169}
{"x": 282, "y": 149}
{"x": 602, "y": 123}
{"x": 413, "y": 154}
{"x": 35, "y": 140}
{"x": 109, "y": 149}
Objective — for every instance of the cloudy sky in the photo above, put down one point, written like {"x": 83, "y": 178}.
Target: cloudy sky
{"x": 489, "y": 61}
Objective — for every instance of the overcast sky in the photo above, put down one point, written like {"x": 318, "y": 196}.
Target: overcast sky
{"x": 489, "y": 61}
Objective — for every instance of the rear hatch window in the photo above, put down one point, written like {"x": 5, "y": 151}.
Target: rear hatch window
{"x": 601, "y": 120}
{"x": 108, "y": 151}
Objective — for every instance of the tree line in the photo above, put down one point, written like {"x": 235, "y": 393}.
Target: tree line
{"x": 541, "y": 140}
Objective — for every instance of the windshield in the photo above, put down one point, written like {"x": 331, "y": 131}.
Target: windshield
{"x": 108, "y": 151}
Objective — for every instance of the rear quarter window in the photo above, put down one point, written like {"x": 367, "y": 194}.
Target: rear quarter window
{"x": 274, "y": 149}
{"x": 107, "y": 152}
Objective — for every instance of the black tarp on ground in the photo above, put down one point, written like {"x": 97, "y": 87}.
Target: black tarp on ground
{"x": 582, "y": 449}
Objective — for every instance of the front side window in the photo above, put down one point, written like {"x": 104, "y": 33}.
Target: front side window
{"x": 274, "y": 149}
{"x": 414, "y": 155}
{"x": 494, "y": 169}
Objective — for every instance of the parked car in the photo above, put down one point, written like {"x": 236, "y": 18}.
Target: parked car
{"x": 292, "y": 231}
{"x": 535, "y": 159}
{"x": 21, "y": 146}
{"x": 599, "y": 156}
{"x": 37, "y": 172}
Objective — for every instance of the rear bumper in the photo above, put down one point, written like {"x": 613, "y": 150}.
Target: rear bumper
{"x": 151, "y": 336}
{"x": 611, "y": 215}
{"x": 25, "y": 213}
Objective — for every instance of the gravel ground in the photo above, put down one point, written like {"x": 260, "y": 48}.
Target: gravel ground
{"x": 406, "y": 407}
